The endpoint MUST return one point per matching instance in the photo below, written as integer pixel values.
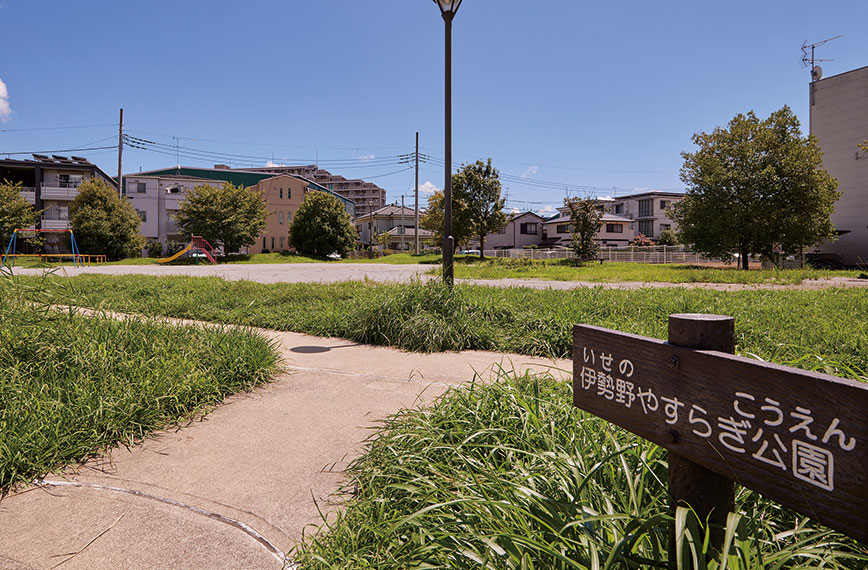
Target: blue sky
(564, 96)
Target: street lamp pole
(448, 9)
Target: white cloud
(515, 211)
(272, 164)
(547, 210)
(5, 109)
(428, 188)
(530, 171)
(367, 157)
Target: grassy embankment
(560, 270)
(72, 386)
(825, 330)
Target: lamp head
(448, 6)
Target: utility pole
(403, 226)
(121, 154)
(416, 220)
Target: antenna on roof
(811, 61)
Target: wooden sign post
(798, 437)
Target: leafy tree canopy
(322, 226)
(232, 216)
(753, 185)
(477, 208)
(15, 212)
(585, 220)
(104, 223)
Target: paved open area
(387, 273)
(238, 488)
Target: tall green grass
(818, 330)
(71, 386)
(566, 270)
(510, 475)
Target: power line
(58, 128)
(59, 150)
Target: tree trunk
(482, 247)
(745, 263)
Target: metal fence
(634, 254)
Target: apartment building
(646, 209)
(839, 120)
(397, 221)
(367, 196)
(157, 195)
(50, 183)
(283, 194)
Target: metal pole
(416, 216)
(121, 155)
(448, 240)
(403, 223)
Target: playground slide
(177, 255)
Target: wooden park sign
(798, 437)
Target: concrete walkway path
(238, 488)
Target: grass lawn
(73, 386)
(557, 270)
(511, 475)
(820, 330)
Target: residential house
(367, 196)
(399, 222)
(523, 229)
(839, 120)
(647, 209)
(50, 183)
(157, 195)
(615, 230)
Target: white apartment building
(523, 229)
(646, 209)
(615, 230)
(839, 120)
(399, 222)
(50, 183)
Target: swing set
(78, 259)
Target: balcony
(54, 224)
(59, 190)
(29, 194)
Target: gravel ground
(386, 273)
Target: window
(281, 217)
(665, 227)
(562, 229)
(281, 193)
(529, 229)
(646, 228)
(141, 187)
(619, 208)
(288, 217)
(664, 204)
(143, 215)
(263, 243)
(615, 228)
(645, 208)
(502, 230)
(272, 243)
(281, 242)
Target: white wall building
(839, 120)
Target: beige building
(399, 222)
(283, 195)
(615, 230)
(839, 120)
(366, 196)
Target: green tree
(478, 186)
(585, 220)
(433, 220)
(477, 208)
(667, 237)
(322, 226)
(754, 185)
(104, 223)
(231, 216)
(15, 212)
